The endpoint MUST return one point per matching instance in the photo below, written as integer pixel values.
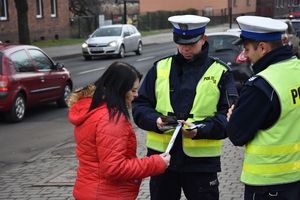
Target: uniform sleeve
(215, 127)
(257, 108)
(112, 147)
(143, 110)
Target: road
(46, 126)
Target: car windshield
(221, 43)
(108, 31)
(296, 25)
(295, 9)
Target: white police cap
(188, 29)
(260, 28)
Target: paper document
(171, 143)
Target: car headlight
(84, 45)
(112, 44)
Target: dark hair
(274, 44)
(112, 86)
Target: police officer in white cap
(198, 89)
(266, 118)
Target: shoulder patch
(216, 59)
(252, 78)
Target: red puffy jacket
(108, 166)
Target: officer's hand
(229, 112)
(190, 131)
(160, 123)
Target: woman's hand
(166, 157)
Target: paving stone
(52, 174)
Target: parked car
(28, 77)
(113, 40)
(294, 12)
(221, 45)
(290, 37)
(296, 25)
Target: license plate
(96, 49)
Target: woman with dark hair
(105, 140)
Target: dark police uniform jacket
(184, 77)
(257, 96)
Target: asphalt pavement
(51, 174)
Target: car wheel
(63, 100)
(122, 52)
(87, 57)
(139, 49)
(17, 112)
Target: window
(39, 8)
(21, 62)
(235, 3)
(53, 8)
(42, 61)
(3, 10)
(208, 11)
(248, 2)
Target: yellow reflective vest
(204, 105)
(273, 156)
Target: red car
(29, 77)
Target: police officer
(188, 86)
(266, 118)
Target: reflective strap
(205, 148)
(206, 143)
(158, 141)
(271, 168)
(273, 150)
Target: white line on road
(92, 70)
(143, 59)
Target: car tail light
(3, 84)
(241, 58)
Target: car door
(127, 39)
(135, 37)
(26, 77)
(54, 80)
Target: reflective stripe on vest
(273, 156)
(204, 105)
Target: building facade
(275, 8)
(47, 19)
(207, 8)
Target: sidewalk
(68, 51)
(51, 174)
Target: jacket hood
(78, 113)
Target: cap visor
(179, 40)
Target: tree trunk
(23, 30)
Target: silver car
(113, 40)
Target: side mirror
(59, 66)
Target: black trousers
(289, 191)
(196, 186)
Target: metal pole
(125, 12)
(230, 13)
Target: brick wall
(9, 28)
(217, 5)
(46, 27)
